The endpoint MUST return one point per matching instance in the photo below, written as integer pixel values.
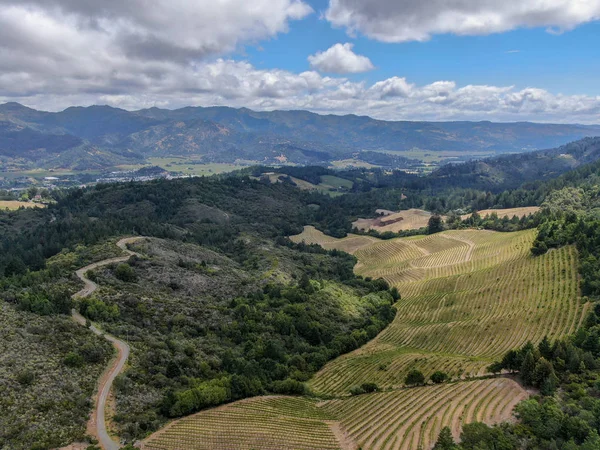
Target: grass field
(404, 419)
(184, 165)
(13, 204)
(467, 298)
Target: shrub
(125, 272)
(414, 377)
(439, 377)
(73, 360)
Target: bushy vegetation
(206, 329)
(49, 368)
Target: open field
(405, 419)
(411, 219)
(329, 184)
(428, 156)
(186, 166)
(13, 204)
(467, 298)
(510, 212)
(349, 244)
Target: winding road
(98, 419)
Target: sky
(512, 60)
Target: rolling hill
(221, 134)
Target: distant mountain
(509, 171)
(222, 134)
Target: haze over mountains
(101, 136)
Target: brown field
(510, 212)
(13, 204)
(349, 244)
(411, 219)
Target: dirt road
(98, 420)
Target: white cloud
(340, 59)
(409, 20)
(58, 53)
(239, 84)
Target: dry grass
(349, 244)
(510, 212)
(411, 219)
(13, 205)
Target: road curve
(122, 348)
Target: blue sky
(568, 62)
(535, 60)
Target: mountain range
(102, 136)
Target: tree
(414, 377)
(528, 369)
(445, 440)
(435, 224)
(439, 377)
(124, 272)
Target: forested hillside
(226, 135)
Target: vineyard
(261, 422)
(467, 297)
(349, 244)
(404, 419)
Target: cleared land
(402, 419)
(13, 204)
(467, 297)
(329, 184)
(411, 219)
(510, 212)
(349, 244)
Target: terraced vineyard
(409, 419)
(401, 419)
(410, 219)
(467, 297)
(349, 244)
(510, 212)
(275, 423)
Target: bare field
(510, 212)
(411, 219)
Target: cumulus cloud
(240, 84)
(409, 20)
(340, 59)
(59, 53)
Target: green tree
(445, 440)
(439, 377)
(414, 377)
(528, 369)
(435, 224)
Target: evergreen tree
(528, 369)
(445, 440)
